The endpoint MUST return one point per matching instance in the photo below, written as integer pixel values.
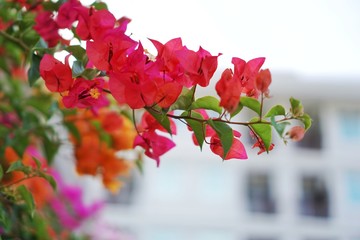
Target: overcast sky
(320, 38)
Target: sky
(311, 38)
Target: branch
(15, 40)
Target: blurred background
(302, 191)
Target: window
(349, 124)
(314, 197)
(259, 193)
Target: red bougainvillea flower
(263, 81)
(154, 144)
(199, 67)
(229, 90)
(242, 80)
(166, 59)
(57, 76)
(48, 29)
(111, 46)
(296, 133)
(129, 85)
(237, 149)
(246, 72)
(86, 93)
(68, 13)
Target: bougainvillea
(109, 94)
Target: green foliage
(251, 103)
(207, 102)
(161, 116)
(225, 133)
(196, 125)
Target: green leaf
(34, 72)
(18, 166)
(263, 131)
(307, 121)
(184, 100)
(279, 127)
(225, 133)
(275, 111)
(99, 5)
(297, 108)
(1, 172)
(73, 130)
(28, 198)
(197, 126)
(161, 117)
(77, 68)
(237, 110)
(48, 178)
(37, 162)
(90, 73)
(207, 102)
(139, 162)
(78, 52)
(50, 147)
(251, 103)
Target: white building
(303, 191)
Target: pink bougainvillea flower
(109, 49)
(47, 28)
(246, 72)
(57, 76)
(167, 93)
(129, 84)
(237, 149)
(69, 207)
(86, 93)
(68, 13)
(166, 59)
(154, 144)
(263, 81)
(296, 133)
(199, 67)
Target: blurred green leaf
(73, 130)
(28, 198)
(34, 72)
(276, 111)
(1, 172)
(307, 121)
(77, 51)
(197, 126)
(90, 73)
(251, 103)
(18, 166)
(225, 133)
(207, 102)
(99, 5)
(237, 110)
(279, 127)
(77, 69)
(48, 178)
(296, 107)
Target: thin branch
(15, 40)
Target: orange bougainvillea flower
(97, 157)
